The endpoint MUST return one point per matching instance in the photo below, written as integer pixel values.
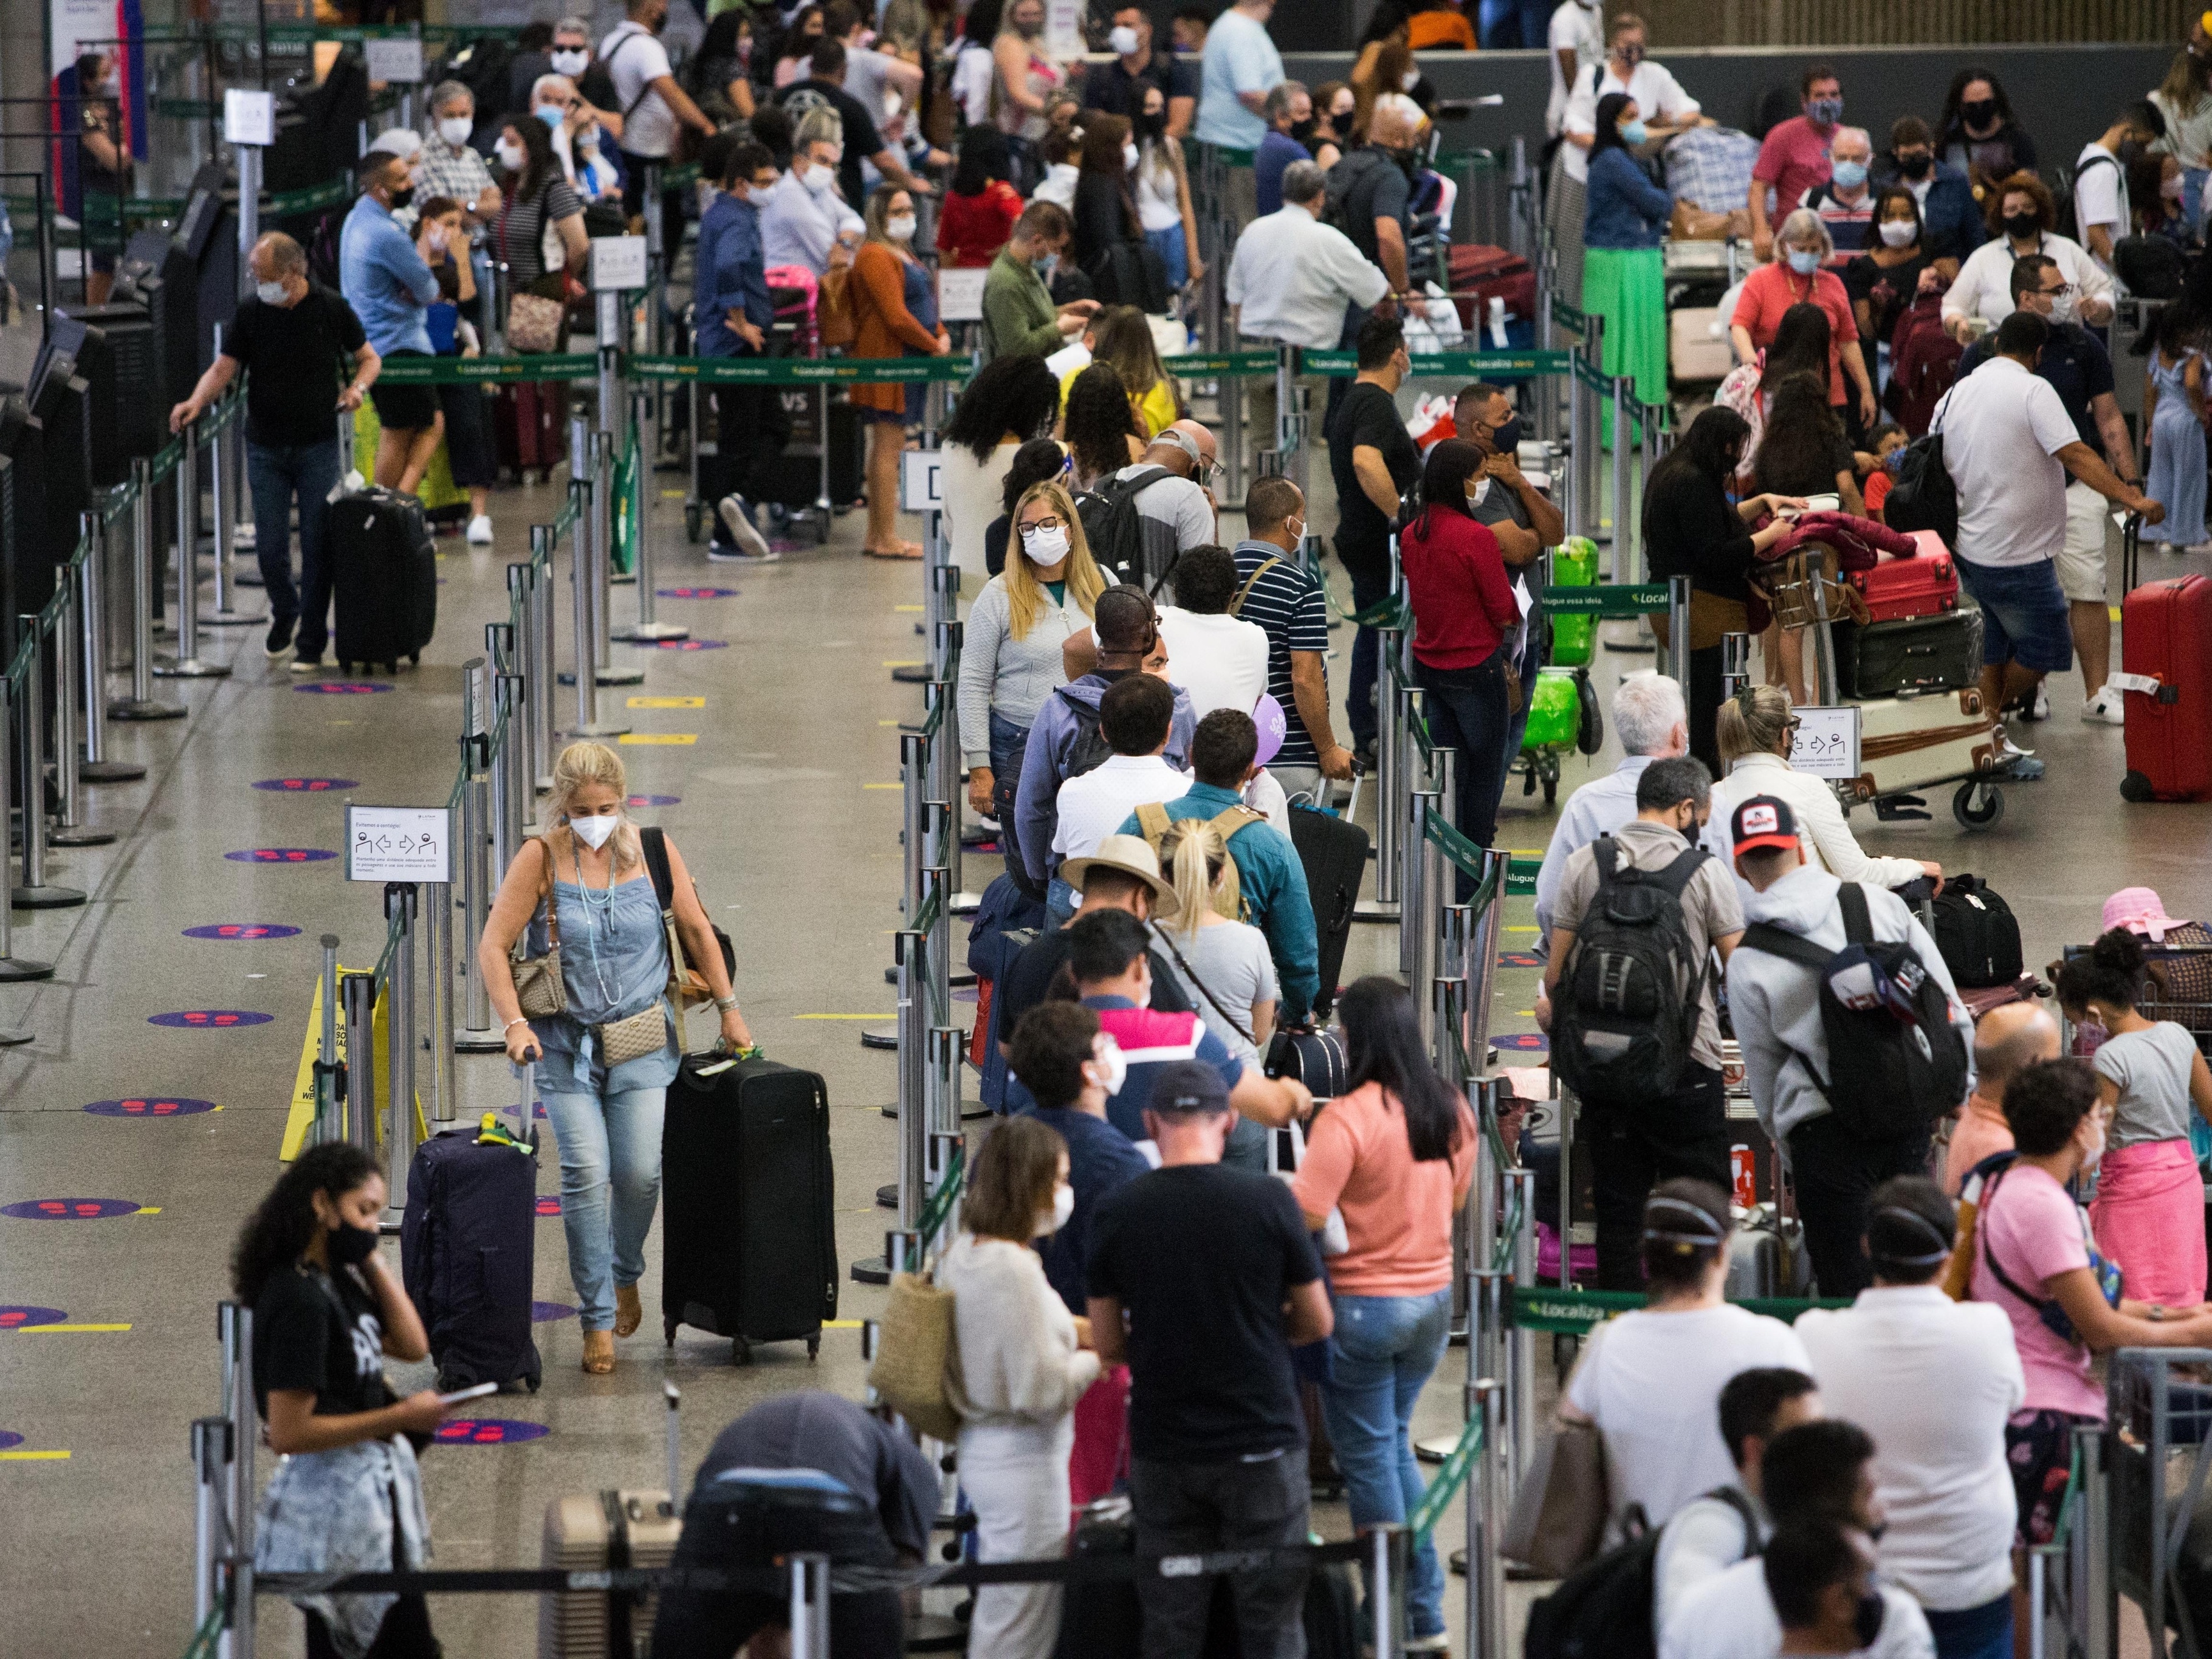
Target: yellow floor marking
(148, 1209)
(840, 1324)
(844, 1016)
(2115, 610)
(22, 1329)
(1528, 851)
(903, 664)
(664, 738)
(672, 495)
(907, 607)
(1524, 1013)
(668, 703)
(883, 785)
(1512, 929)
(32, 1456)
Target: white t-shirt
(1941, 1473)
(1092, 807)
(1576, 27)
(2000, 432)
(1983, 288)
(1657, 94)
(1221, 660)
(1707, 1536)
(1651, 1382)
(1731, 1616)
(635, 59)
(2100, 193)
(1159, 198)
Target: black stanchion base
(79, 837)
(14, 1037)
(872, 1270)
(881, 1036)
(918, 675)
(930, 1632)
(19, 970)
(483, 1045)
(888, 1196)
(44, 898)
(189, 668)
(109, 771)
(971, 1110)
(132, 709)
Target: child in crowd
(2173, 411)
(2149, 1211)
(1886, 440)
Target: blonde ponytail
(1751, 722)
(1195, 855)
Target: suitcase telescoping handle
(2130, 551)
(674, 1396)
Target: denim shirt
(1625, 210)
(732, 277)
(614, 963)
(385, 280)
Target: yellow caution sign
(301, 1123)
(660, 738)
(668, 703)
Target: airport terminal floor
(781, 789)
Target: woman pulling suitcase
(589, 999)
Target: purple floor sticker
(487, 1432)
(1526, 1043)
(209, 1019)
(343, 688)
(1518, 959)
(684, 645)
(15, 1318)
(150, 1106)
(281, 855)
(653, 800)
(241, 930)
(10, 1437)
(544, 1313)
(549, 1205)
(306, 786)
(696, 592)
(71, 1209)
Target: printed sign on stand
(398, 843)
(960, 295)
(399, 60)
(921, 481)
(1827, 744)
(249, 118)
(617, 263)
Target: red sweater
(1464, 603)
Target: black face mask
(1507, 439)
(1866, 1621)
(401, 197)
(1981, 112)
(1914, 165)
(2021, 226)
(1151, 126)
(1341, 124)
(351, 1246)
(1304, 131)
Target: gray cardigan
(1002, 674)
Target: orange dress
(883, 326)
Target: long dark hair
(278, 1232)
(1953, 122)
(1881, 201)
(1100, 422)
(1796, 452)
(983, 157)
(1014, 393)
(1444, 481)
(1382, 1045)
(538, 160)
(1038, 461)
(1801, 344)
(1609, 124)
(1713, 448)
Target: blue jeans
(1982, 1632)
(1466, 710)
(1059, 902)
(2023, 615)
(1173, 253)
(1009, 743)
(276, 473)
(1382, 1354)
(610, 1142)
(1517, 727)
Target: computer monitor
(157, 273)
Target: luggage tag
(724, 1058)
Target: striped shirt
(1290, 607)
(518, 234)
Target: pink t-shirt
(2035, 1231)
(1397, 1213)
(1981, 1130)
(1793, 158)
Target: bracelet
(728, 1004)
(519, 1019)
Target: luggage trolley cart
(2158, 1452)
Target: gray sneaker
(736, 519)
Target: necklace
(603, 903)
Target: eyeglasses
(1050, 522)
(2059, 293)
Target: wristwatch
(2157, 1313)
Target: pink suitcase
(1897, 590)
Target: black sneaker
(280, 638)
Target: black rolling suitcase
(384, 576)
(748, 1244)
(1333, 851)
(465, 1248)
(1942, 653)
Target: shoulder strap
(1737, 1500)
(546, 900)
(642, 91)
(1237, 605)
(1791, 947)
(1144, 479)
(1152, 822)
(653, 843)
(1204, 989)
(1606, 854)
(1858, 923)
(1235, 818)
(1678, 875)
(1982, 1239)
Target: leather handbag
(539, 990)
(1560, 1512)
(645, 1032)
(915, 1351)
(1803, 589)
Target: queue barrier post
(1624, 447)
(327, 1070)
(13, 970)
(808, 1613)
(1547, 261)
(603, 514)
(235, 1327)
(211, 1444)
(445, 1102)
(186, 664)
(359, 1083)
(1575, 504)
(399, 901)
(500, 720)
(1486, 1610)
(647, 631)
(1388, 1546)
(475, 1036)
(1488, 933)
(587, 576)
(1391, 742)
(1589, 460)
(511, 693)
(92, 616)
(522, 605)
(1413, 798)
(140, 704)
(1520, 1351)
(541, 589)
(68, 829)
(224, 492)
(35, 892)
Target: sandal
(598, 1353)
(629, 1314)
(906, 551)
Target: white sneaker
(480, 531)
(2108, 707)
(739, 523)
(2041, 711)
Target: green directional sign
(1614, 602)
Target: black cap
(1188, 1085)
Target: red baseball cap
(1763, 821)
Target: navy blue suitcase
(465, 1249)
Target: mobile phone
(475, 1392)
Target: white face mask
(436, 238)
(1045, 547)
(1107, 1056)
(455, 130)
(2062, 308)
(511, 154)
(821, 179)
(1897, 232)
(900, 229)
(1123, 40)
(570, 60)
(594, 832)
(271, 294)
(1130, 158)
(1063, 1205)
(2094, 1153)
(1477, 495)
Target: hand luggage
(1697, 344)
(1331, 1613)
(465, 1248)
(1976, 931)
(1333, 851)
(748, 1243)
(384, 577)
(1942, 653)
(530, 428)
(1766, 1256)
(2166, 659)
(609, 1530)
(1574, 564)
(1479, 272)
(1313, 1058)
(1102, 1617)
(1896, 589)
(1911, 742)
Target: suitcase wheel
(2136, 787)
(693, 517)
(814, 1347)
(1977, 804)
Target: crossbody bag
(539, 990)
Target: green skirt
(1628, 286)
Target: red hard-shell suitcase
(1480, 272)
(1898, 590)
(529, 426)
(2166, 662)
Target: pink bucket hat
(2140, 910)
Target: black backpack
(1602, 1610)
(1351, 183)
(1135, 549)
(1622, 1023)
(1976, 931)
(1090, 750)
(1887, 1075)
(2149, 267)
(1924, 497)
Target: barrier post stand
(1415, 771)
(1675, 659)
(1589, 460)
(360, 1081)
(140, 704)
(475, 1036)
(400, 899)
(1486, 1610)
(245, 1436)
(508, 698)
(210, 1519)
(809, 1613)
(548, 679)
(498, 798)
(186, 664)
(522, 604)
(1548, 394)
(646, 630)
(223, 492)
(326, 1049)
(1489, 933)
(1386, 1589)
(1736, 664)
(1417, 908)
(1390, 742)
(588, 578)
(35, 892)
(13, 970)
(603, 538)
(1624, 447)
(1520, 1351)
(92, 618)
(1576, 506)
(1439, 878)
(68, 829)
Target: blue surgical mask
(1047, 265)
(1849, 174)
(1804, 261)
(1824, 111)
(553, 115)
(1633, 133)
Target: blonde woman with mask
(1755, 730)
(585, 889)
(1009, 661)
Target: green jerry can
(1555, 712)
(1574, 564)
